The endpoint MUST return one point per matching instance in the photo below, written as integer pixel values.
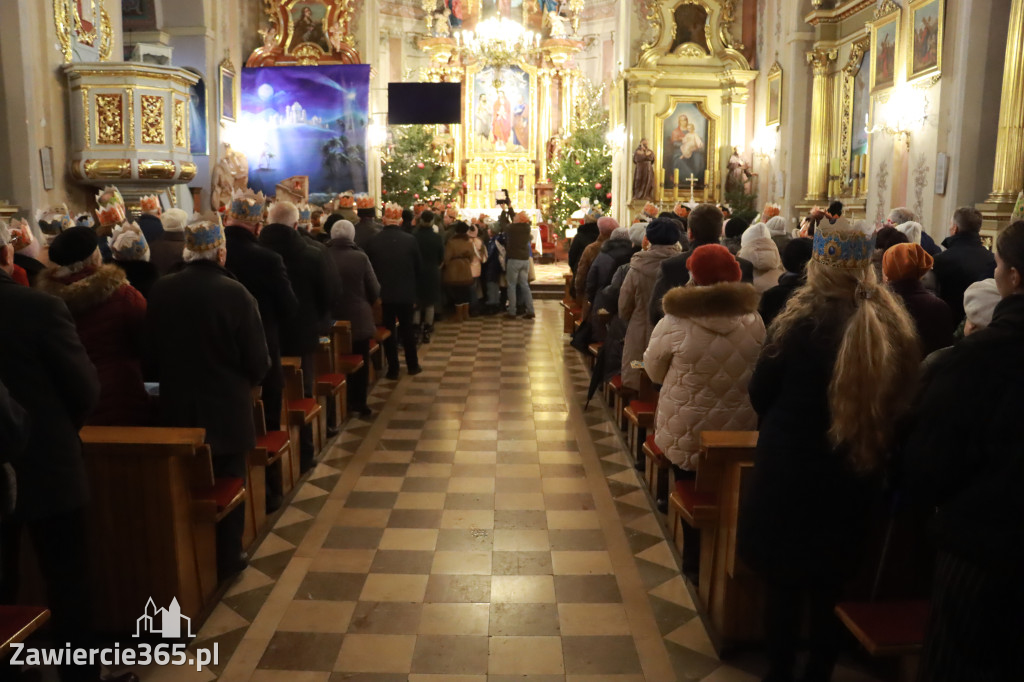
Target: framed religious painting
(499, 110)
(924, 58)
(885, 39)
(228, 99)
(773, 110)
(687, 145)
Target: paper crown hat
(365, 201)
(203, 236)
(150, 204)
(21, 234)
(650, 210)
(110, 207)
(681, 210)
(521, 217)
(246, 206)
(346, 200)
(392, 214)
(842, 245)
(84, 220)
(306, 213)
(128, 243)
(55, 220)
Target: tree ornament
(597, 185)
(419, 165)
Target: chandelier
(499, 42)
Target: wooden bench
(889, 630)
(657, 472)
(639, 418)
(299, 410)
(155, 506)
(17, 623)
(274, 448)
(330, 386)
(593, 350)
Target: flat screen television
(420, 103)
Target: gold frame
(932, 71)
(701, 102)
(470, 85)
(70, 30)
(225, 69)
(880, 22)
(858, 49)
(774, 74)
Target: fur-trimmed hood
(714, 305)
(86, 292)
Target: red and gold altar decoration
(306, 33)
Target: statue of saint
(643, 172)
(739, 173)
(554, 147)
(230, 173)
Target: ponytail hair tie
(863, 292)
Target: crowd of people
(875, 364)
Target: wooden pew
(889, 630)
(330, 387)
(300, 411)
(274, 448)
(657, 473)
(729, 591)
(152, 520)
(17, 623)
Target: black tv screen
(419, 103)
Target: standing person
(965, 260)
(205, 343)
(110, 316)
(428, 283)
(758, 247)
(165, 254)
(661, 241)
(493, 271)
(615, 252)
(794, 258)
(149, 219)
(903, 267)
(586, 235)
(458, 265)
(367, 228)
(605, 226)
(517, 265)
(969, 470)
(360, 290)
(477, 266)
(48, 373)
(262, 272)
(396, 261)
(131, 253)
(829, 387)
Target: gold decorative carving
(332, 44)
(188, 171)
(102, 169)
(156, 169)
(850, 72)
(886, 8)
(725, 22)
(653, 19)
(821, 112)
(109, 119)
(71, 29)
(113, 73)
(691, 50)
(85, 117)
(152, 120)
(131, 116)
(180, 123)
(1008, 173)
(820, 60)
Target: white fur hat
(174, 220)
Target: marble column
(821, 114)
(1008, 177)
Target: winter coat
(520, 237)
(205, 343)
(48, 372)
(764, 256)
(583, 267)
(586, 235)
(967, 463)
(458, 261)
(360, 288)
(634, 298)
(431, 252)
(805, 514)
(366, 229)
(165, 253)
(479, 257)
(703, 352)
(674, 274)
(264, 275)
(775, 299)
(964, 262)
(14, 427)
(398, 263)
(931, 315)
(314, 280)
(494, 266)
(110, 317)
(614, 253)
(141, 274)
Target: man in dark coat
(969, 469)
(431, 247)
(616, 251)
(165, 252)
(206, 345)
(396, 261)
(794, 258)
(704, 226)
(586, 235)
(367, 228)
(964, 262)
(47, 371)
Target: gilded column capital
(819, 59)
(1008, 174)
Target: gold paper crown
(392, 214)
(651, 210)
(680, 208)
(150, 203)
(346, 200)
(110, 205)
(521, 217)
(246, 206)
(365, 202)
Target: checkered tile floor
(482, 527)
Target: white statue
(230, 173)
(557, 22)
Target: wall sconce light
(616, 137)
(764, 143)
(904, 112)
(376, 135)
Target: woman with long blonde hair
(836, 372)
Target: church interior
(512, 504)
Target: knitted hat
(980, 302)
(607, 225)
(203, 236)
(343, 229)
(711, 264)
(174, 220)
(637, 232)
(906, 262)
(755, 231)
(796, 254)
(735, 227)
(842, 245)
(128, 243)
(912, 230)
(620, 233)
(776, 225)
(73, 246)
(662, 231)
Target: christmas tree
(583, 168)
(417, 165)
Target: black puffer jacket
(614, 253)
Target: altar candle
(676, 175)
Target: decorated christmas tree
(583, 168)
(417, 165)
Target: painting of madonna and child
(501, 110)
(685, 146)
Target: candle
(676, 177)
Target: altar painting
(686, 144)
(501, 110)
(307, 20)
(861, 108)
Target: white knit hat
(174, 220)
(776, 225)
(343, 228)
(980, 302)
(755, 231)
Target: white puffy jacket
(703, 353)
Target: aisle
(481, 527)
